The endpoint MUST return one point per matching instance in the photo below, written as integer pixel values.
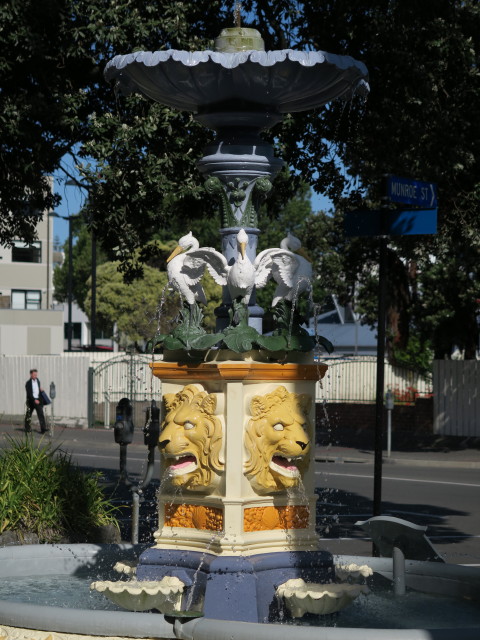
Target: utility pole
(93, 307)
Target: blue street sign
(413, 223)
(406, 191)
(383, 222)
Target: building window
(103, 330)
(26, 299)
(76, 330)
(22, 252)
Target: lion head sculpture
(277, 440)
(191, 438)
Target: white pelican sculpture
(242, 275)
(291, 271)
(186, 266)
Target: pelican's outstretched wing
(207, 257)
(284, 267)
(186, 279)
(193, 267)
(292, 273)
(263, 267)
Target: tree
(54, 101)
(421, 121)
(138, 310)
(137, 158)
(144, 307)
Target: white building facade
(29, 325)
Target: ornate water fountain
(236, 539)
(237, 509)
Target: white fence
(69, 372)
(354, 380)
(456, 383)
(456, 405)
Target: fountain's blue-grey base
(455, 614)
(236, 587)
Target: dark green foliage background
(137, 159)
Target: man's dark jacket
(29, 390)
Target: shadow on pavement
(337, 512)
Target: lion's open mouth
(285, 466)
(182, 464)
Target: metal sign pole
(385, 222)
(382, 295)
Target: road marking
(452, 536)
(94, 455)
(370, 477)
(366, 538)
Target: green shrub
(43, 492)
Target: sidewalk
(349, 445)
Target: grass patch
(43, 492)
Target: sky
(72, 199)
(321, 203)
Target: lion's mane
(261, 448)
(194, 404)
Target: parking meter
(123, 427)
(151, 430)
(53, 391)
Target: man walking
(34, 401)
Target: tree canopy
(137, 158)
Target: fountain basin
(283, 81)
(96, 560)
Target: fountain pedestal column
(239, 167)
(237, 511)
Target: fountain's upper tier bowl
(204, 81)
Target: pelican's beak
(178, 249)
(304, 254)
(243, 249)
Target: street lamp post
(93, 308)
(70, 284)
(72, 182)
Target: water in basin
(379, 609)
